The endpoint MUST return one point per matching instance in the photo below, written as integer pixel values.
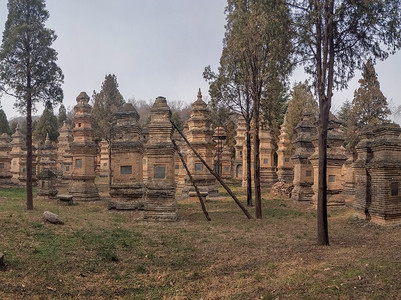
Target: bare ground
(101, 254)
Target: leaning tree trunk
(256, 162)
(29, 193)
(248, 164)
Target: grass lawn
(101, 254)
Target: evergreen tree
(369, 106)
(28, 69)
(62, 116)
(343, 114)
(257, 47)
(105, 104)
(334, 37)
(4, 126)
(46, 125)
(301, 99)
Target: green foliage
(46, 125)
(369, 106)
(4, 126)
(28, 68)
(343, 114)
(333, 39)
(175, 117)
(62, 116)
(301, 100)
(105, 104)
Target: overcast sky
(154, 47)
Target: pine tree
(28, 69)
(343, 114)
(105, 104)
(334, 37)
(62, 116)
(46, 125)
(4, 126)
(301, 98)
(369, 106)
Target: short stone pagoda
(5, 160)
(46, 189)
(104, 159)
(222, 155)
(127, 188)
(160, 202)
(349, 179)
(83, 150)
(336, 158)
(378, 175)
(285, 170)
(268, 174)
(305, 131)
(47, 156)
(18, 158)
(200, 136)
(64, 156)
(240, 140)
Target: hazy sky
(154, 47)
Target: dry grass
(103, 254)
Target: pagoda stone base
(302, 193)
(286, 174)
(204, 186)
(268, 178)
(349, 192)
(126, 197)
(6, 182)
(160, 203)
(46, 194)
(334, 198)
(84, 190)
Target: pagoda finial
(199, 94)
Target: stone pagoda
(240, 145)
(47, 156)
(160, 202)
(18, 158)
(46, 189)
(64, 156)
(5, 160)
(179, 170)
(127, 189)
(285, 169)
(378, 175)
(104, 159)
(83, 150)
(268, 174)
(303, 149)
(349, 179)
(336, 158)
(200, 136)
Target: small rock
(52, 218)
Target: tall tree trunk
(248, 164)
(256, 160)
(322, 223)
(29, 193)
(325, 73)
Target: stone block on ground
(52, 218)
